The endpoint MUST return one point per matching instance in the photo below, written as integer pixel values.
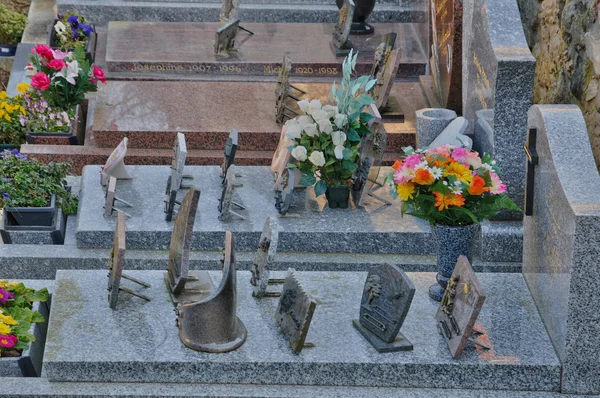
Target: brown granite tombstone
(460, 307)
(295, 311)
(211, 324)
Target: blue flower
(87, 29)
(15, 152)
(73, 20)
(6, 196)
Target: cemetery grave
(228, 277)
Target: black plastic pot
(90, 45)
(338, 197)
(7, 51)
(362, 10)
(31, 216)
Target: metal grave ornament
(229, 11)
(460, 307)
(116, 263)
(294, 312)
(341, 34)
(110, 198)
(263, 258)
(226, 201)
(386, 299)
(283, 91)
(115, 165)
(372, 149)
(229, 155)
(211, 324)
(284, 191)
(176, 178)
(385, 71)
(183, 284)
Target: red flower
(56, 64)
(8, 341)
(44, 51)
(99, 74)
(40, 81)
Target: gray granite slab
(17, 74)
(561, 243)
(139, 343)
(498, 71)
(53, 235)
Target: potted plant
(59, 83)
(30, 191)
(326, 139)
(12, 26)
(23, 315)
(12, 111)
(69, 29)
(454, 189)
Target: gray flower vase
(451, 241)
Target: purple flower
(5, 296)
(6, 196)
(87, 29)
(15, 152)
(73, 20)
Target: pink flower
(40, 81)
(459, 154)
(443, 150)
(411, 161)
(5, 296)
(44, 51)
(59, 54)
(56, 64)
(403, 175)
(473, 160)
(8, 341)
(497, 186)
(98, 74)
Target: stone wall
(564, 37)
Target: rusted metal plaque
(264, 257)
(341, 33)
(295, 311)
(460, 307)
(211, 324)
(116, 262)
(225, 36)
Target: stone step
(139, 341)
(101, 12)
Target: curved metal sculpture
(211, 325)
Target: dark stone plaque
(341, 34)
(174, 182)
(460, 307)
(284, 191)
(386, 299)
(229, 155)
(225, 36)
(226, 201)
(264, 258)
(211, 324)
(295, 311)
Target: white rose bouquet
(326, 138)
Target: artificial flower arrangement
(12, 113)
(16, 316)
(326, 138)
(449, 185)
(71, 28)
(30, 183)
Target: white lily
(70, 72)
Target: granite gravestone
(498, 71)
(110, 198)
(225, 36)
(341, 34)
(115, 165)
(283, 91)
(460, 307)
(263, 259)
(229, 155)
(211, 324)
(175, 179)
(386, 299)
(284, 191)
(183, 284)
(116, 263)
(226, 201)
(294, 312)
(561, 241)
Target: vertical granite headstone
(115, 165)
(561, 242)
(174, 181)
(295, 311)
(460, 307)
(498, 72)
(341, 33)
(211, 324)
(385, 302)
(264, 258)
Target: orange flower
(443, 201)
(423, 177)
(438, 160)
(477, 186)
(397, 164)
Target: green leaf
(40, 295)
(370, 84)
(292, 165)
(366, 117)
(408, 150)
(320, 187)
(307, 180)
(347, 153)
(350, 166)
(365, 99)
(352, 135)
(37, 317)
(332, 92)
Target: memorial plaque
(283, 91)
(211, 324)
(295, 311)
(264, 258)
(229, 11)
(116, 263)
(284, 191)
(226, 201)
(174, 181)
(110, 199)
(341, 33)
(386, 299)
(225, 36)
(389, 107)
(115, 165)
(229, 155)
(460, 307)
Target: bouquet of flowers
(71, 28)
(63, 78)
(41, 117)
(326, 138)
(449, 186)
(12, 109)
(16, 316)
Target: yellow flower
(7, 319)
(8, 118)
(2, 95)
(4, 328)
(22, 87)
(463, 173)
(405, 191)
